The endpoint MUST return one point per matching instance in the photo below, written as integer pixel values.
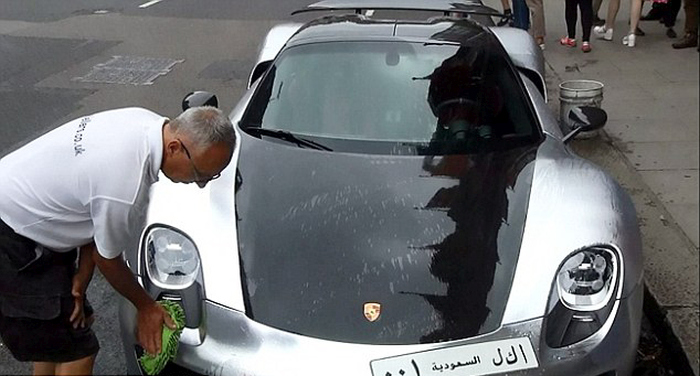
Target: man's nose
(201, 184)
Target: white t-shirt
(88, 178)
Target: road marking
(148, 4)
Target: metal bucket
(575, 93)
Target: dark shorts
(35, 340)
(36, 304)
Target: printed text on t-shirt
(78, 138)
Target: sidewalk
(650, 144)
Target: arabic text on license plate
(475, 359)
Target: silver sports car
(401, 202)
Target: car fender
(525, 53)
(573, 205)
(547, 119)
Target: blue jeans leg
(521, 15)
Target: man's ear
(172, 147)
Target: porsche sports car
(401, 201)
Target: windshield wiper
(287, 136)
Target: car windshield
(396, 97)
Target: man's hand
(150, 327)
(81, 280)
(77, 318)
(151, 315)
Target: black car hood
(432, 240)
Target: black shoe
(651, 16)
(689, 40)
(598, 21)
(671, 33)
(509, 16)
(639, 32)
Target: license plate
(485, 358)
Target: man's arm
(81, 280)
(151, 315)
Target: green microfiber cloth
(153, 364)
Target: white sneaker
(601, 32)
(629, 40)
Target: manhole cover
(129, 70)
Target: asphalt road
(49, 47)
(46, 44)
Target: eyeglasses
(197, 175)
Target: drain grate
(129, 70)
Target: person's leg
(671, 13)
(658, 10)
(691, 25)
(39, 329)
(538, 24)
(586, 19)
(597, 21)
(606, 31)
(635, 14)
(613, 8)
(691, 16)
(77, 367)
(505, 4)
(521, 15)
(527, 23)
(586, 24)
(570, 15)
(44, 368)
(596, 6)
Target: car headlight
(582, 297)
(171, 258)
(586, 280)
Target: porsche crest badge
(372, 311)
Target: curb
(663, 329)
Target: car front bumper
(232, 344)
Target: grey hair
(204, 126)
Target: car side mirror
(199, 98)
(585, 119)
